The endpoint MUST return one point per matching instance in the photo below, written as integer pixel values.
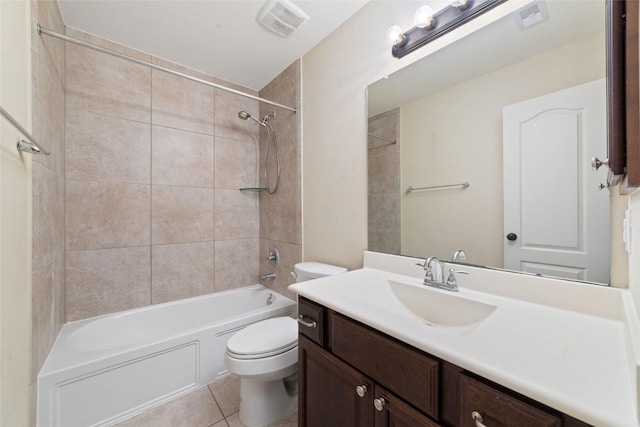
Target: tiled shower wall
(281, 213)
(384, 182)
(48, 255)
(154, 163)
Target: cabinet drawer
(311, 320)
(401, 369)
(499, 409)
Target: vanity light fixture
(460, 4)
(429, 26)
(395, 36)
(423, 18)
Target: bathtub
(105, 369)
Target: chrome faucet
(434, 277)
(459, 256)
(431, 275)
(268, 276)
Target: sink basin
(433, 307)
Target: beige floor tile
(290, 421)
(221, 423)
(196, 409)
(226, 391)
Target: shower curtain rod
(42, 30)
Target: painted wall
(445, 141)
(335, 75)
(15, 216)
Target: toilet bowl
(265, 357)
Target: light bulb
(460, 4)
(395, 35)
(423, 18)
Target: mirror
(464, 115)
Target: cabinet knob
(361, 390)
(379, 403)
(475, 415)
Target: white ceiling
(218, 37)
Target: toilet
(265, 357)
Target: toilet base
(263, 402)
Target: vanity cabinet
(332, 393)
(352, 375)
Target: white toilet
(265, 356)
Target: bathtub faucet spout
(268, 276)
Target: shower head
(244, 116)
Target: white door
(556, 219)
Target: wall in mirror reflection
(452, 136)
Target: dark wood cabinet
(332, 393)
(328, 390)
(487, 405)
(391, 411)
(354, 376)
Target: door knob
(596, 163)
(512, 237)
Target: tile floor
(216, 405)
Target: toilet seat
(263, 339)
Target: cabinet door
(328, 393)
(391, 411)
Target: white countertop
(568, 345)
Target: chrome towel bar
(463, 185)
(29, 145)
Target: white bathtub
(107, 368)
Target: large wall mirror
(515, 110)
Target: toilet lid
(265, 338)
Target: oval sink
(440, 308)
(434, 307)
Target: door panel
(551, 197)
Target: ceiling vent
(282, 17)
(530, 15)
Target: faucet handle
(451, 280)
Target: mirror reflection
(516, 110)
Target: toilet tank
(314, 270)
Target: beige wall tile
(181, 271)
(290, 254)
(107, 280)
(46, 322)
(281, 214)
(182, 158)
(236, 263)
(236, 164)
(181, 214)
(49, 106)
(107, 85)
(227, 123)
(106, 215)
(195, 409)
(103, 148)
(236, 215)
(48, 215)
(180, 103)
